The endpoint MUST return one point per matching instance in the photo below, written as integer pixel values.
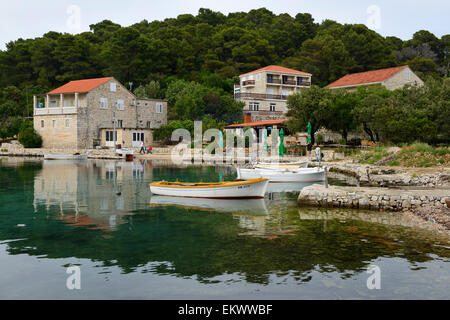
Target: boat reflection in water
(289, 186)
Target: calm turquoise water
(100, 216)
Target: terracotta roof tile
(277, 69)
(85, 85)
(365, 77)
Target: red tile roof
(257, 123)
(278, 69)
(80, 85)
(365, 77)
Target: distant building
(391, 78)
(265, 91)
(79, 115)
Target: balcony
(260, 96)
(55, 110)
(289, 82)
(273, 81)
(248, 83)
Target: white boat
(247, 206)
(64, 156)
(283, 175)
(252, 188)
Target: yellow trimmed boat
(250, 189)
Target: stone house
(264, 91)
(391, 78)
(84, 114)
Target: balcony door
(137, 138)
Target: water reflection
(103, 211)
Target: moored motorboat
(252, 188)
(64, 156)
(283, 175)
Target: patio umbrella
(265, 140)
(309, 133)
(221, 140)
(281, 148)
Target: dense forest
(204, 54)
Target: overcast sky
(401, 18)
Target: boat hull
(234, 190)
(299, 175)
(61, 156)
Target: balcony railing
(275, 81)
(65, 110)
(248, 83)
(288, 82)
(249, 95)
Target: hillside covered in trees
(205, 52)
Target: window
(120, 123)
(53, 104)
(112, 87)
(138, 136)
(67, 123)
(159, 107)
(258, 76)
(42, 123)
(120, 104)
(272, 106)
(158, 124)
(149, 124)
(269, 78)
(407, 75)
(299, 81)
(103, 103)
(54, 123)
(111, 136)
(254, 106)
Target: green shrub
(29, 138)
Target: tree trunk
(344, 135)
(368, 131)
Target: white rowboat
(283, 175)
(252, 188)
(64, 156)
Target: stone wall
(398, 80)
(372, 198)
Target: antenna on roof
(131, 85)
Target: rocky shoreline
(429, 204)
(380, 176)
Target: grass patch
(374, 155)
(423, 155)
(348, 151)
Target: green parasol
(281, 148)
(309, 133)
(265, 140)
(221, 140)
